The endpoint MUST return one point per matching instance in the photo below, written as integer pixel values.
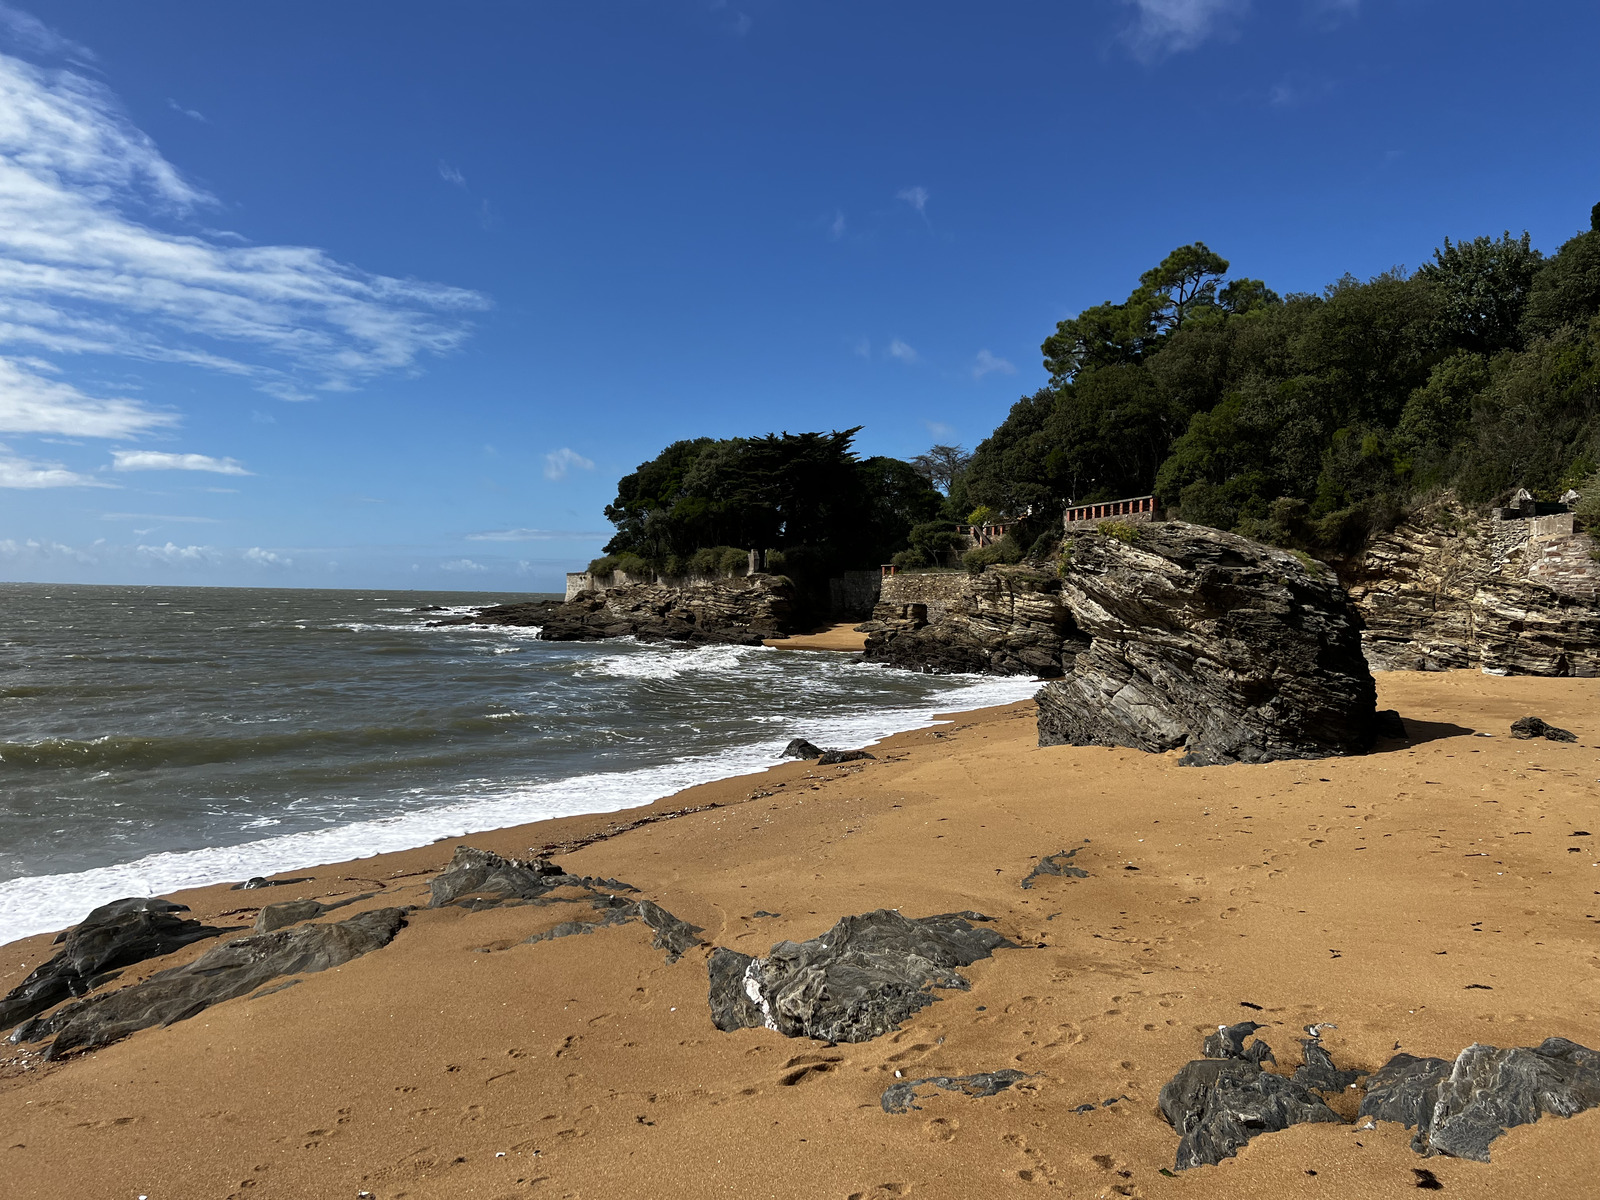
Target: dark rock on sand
(1204, 641)
(1533, 727)
(474, 872)
(1460, 1108)
(257, 881)
(1229, 1042)
(672, 934)
(741, 611)
(800, 748)
(860, 979)
(1220, 1102)
(834, 757)
(221, 973)
(902, 1097)
(292, 912)
(1318, 1070)
(113, 936)
(1055, 864)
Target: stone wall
(933, 590)
(853, 594)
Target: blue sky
(389, 294)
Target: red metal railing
(1111, 509)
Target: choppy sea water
(160, 738)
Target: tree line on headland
(1305, 420)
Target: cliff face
(1006, 621)
(739, 611)
(1451, 589)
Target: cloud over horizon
(558, 462)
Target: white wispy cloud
(30, 33)
(266, 558)
(31, 402)
(990, 364)
(1162, 27)
(159, 460)
(917, 197)
(19, 472)
(558, 462)
(463, 566)
(836, 227)
(127, 516)
(903, 352)
(451, 174)
(534, 535)
(83, 271)
(176, 555)
(192, 114)
(862, 347)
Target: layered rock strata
(740, 611)
(1207, 642)
(1006, 621)
(1451, 588)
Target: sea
(156, 738)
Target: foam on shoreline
(38, 904)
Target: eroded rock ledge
(738, 611)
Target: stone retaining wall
(935, 590)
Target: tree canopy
(1311, 417)
(806, 494)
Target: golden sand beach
(1431, 894)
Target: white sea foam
(44, 902)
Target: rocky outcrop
(1205, 641)
(859, 980)
(740, 611)
(113, 936)
(1006, 621)
(1453, 588)
(1528, 728)
(1460, 1108)
(221, 973)
(1218, 1103)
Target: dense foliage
(806, 495)
(1308, 419)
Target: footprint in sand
(941, 1129)
(808, 1066)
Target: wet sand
(1425, 896)
(832, 637)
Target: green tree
(1482, 289)
(1184, 284)
(1567, 291)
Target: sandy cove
(1424, 897)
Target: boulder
(859, 980)
(800, 748)
(1460, 1108)
(1204, 641)
(740, 611)
(113, 936)
(221, 973)
(1218, 1103)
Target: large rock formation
(740, 611)
(1205, 641)
(1453, 588)
(1006, 621)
